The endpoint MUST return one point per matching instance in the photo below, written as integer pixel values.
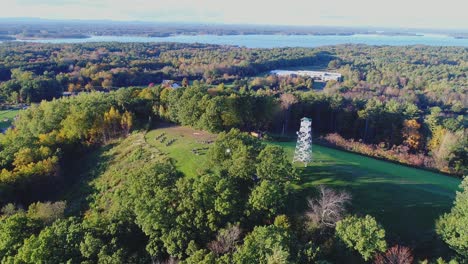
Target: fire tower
(303, 151)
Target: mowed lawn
(406, 201)
(6, 118)
(188, 149)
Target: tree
(153, 194)
(47, 212)
(211, 119)
(185, 82)
(448, 143)
(190, 110)
(176, 212)
(72, 88)
(201, 256)
(226, 240)
(395, 255)
(261, 244)
(268, 199)
(112, 123)
(411, 134)
(14, 230)
(235, 153)
(287, 100)
(126, 122)
(453, 226)
(362, 234)
(107, 84)
(434, 118)
(371, 113)
(279, 256)
(273, 165)
(329, 208)
(458, 157)
(58, 243)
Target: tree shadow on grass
(407, 210)
(81, 172)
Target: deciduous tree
(453, 226)
(328, 208)
(395, 255)
(364, 235)
(411, 134)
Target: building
(171, 84)
(316, 75)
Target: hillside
(407, 201)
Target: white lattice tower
(303, 151)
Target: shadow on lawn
(407, 210)
(82, 171)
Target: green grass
(186, 139)
(406, 201)
(97, 178)
(6, 118)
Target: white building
(316, 75)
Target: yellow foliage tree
(437, 136)
(126, 122)
(111, 123)
(411, 134)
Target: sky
(377, 13)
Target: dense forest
(403, 104)
(406, 104)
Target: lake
(273, 41)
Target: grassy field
(6, 118)
(186, 140)
(406, 201)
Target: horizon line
(187, 23)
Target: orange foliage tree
(411, 134)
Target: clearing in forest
(406, 201)
(185, 145)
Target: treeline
(436, 139)
(63, 29)
(216, 110)
(34, 153)
(400, 131)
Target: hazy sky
(393, 13)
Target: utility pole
(303, 151)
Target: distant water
(273, 41)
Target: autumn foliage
(395, 255)
(400, 154)
(411, 134)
